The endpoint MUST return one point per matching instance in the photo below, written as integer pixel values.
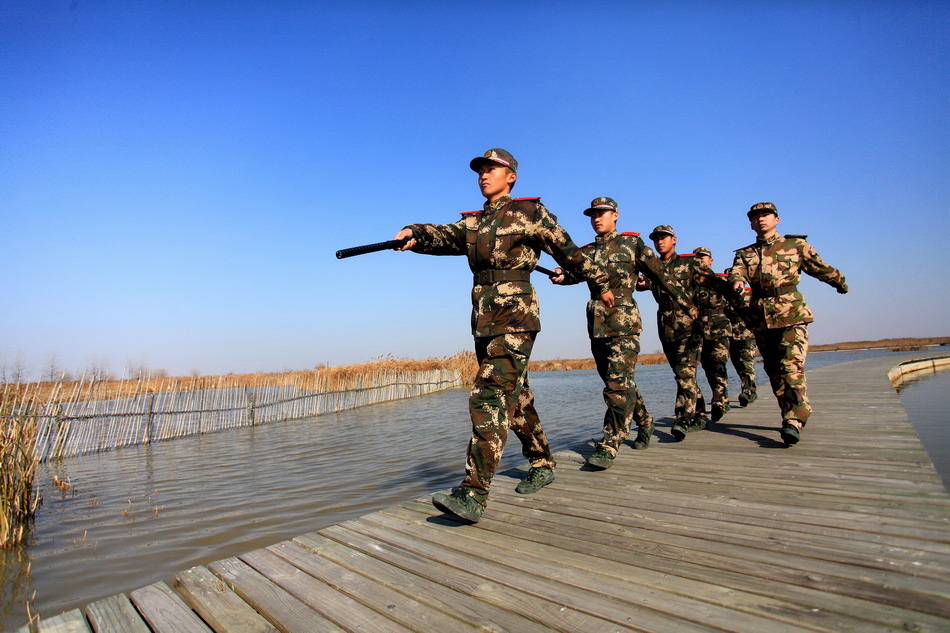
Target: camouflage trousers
(683, 357)
(616, 359)
(713, 358)
(501, 399)
(742, 352)
(783, 357)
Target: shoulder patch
(586, 245)
(744, 247)
(722, 275)
(801, 237)
(529, 198)
(688, 255)
(631, 233)
(473, 212)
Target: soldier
(778, 315)
(742, 350)
(680, 334)
(502, 243)
(615, 332)
(716, 330)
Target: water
(926, 400)
(142, 514)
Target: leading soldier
(615, 332)
(502, 243)
(778, 315)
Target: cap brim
(655, 233)
(477, 163)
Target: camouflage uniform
(502, 243)
(742, 350)
(716, 331)
(778, 315)
(615, 332)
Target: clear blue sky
(175, 177)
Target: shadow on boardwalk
(727, 530)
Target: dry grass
(18, 465)
(587, 363)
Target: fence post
(249, 398)
(148, 419)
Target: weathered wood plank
(286, 612)
(218, 605)
(409, 612)
(396, 572)
(69, 622)
(164, 610)
(115, 614)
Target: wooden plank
(218, 605)
(69, 622)
(349, 614)
(407, 611)
(396, 572)
(164, 611)
(115, 614)
(286, 612)
(824, 609)
(529, 594)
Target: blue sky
(175, 177)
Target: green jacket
(502, 243)
(773, 269)
(623, 256)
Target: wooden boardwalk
(726, 531)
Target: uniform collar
(600, 239)
(491, 207)
(775, 238)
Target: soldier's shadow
(747, 432)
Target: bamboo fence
(83, 417)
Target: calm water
(139, 515)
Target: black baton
(371, 248)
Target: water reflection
(141, 514)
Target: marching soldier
(716, 331)
(615, 331)
(680, 333)
(502, 243)
(778, 315)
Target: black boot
(643, 437)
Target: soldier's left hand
(558, 278)
(843, 289)
(608, 299)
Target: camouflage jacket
(502, 243)
(673, 322)
(711, 302)
(623, 256)
(773, 268)
(740, 331)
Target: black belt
(619, 293)
(758, 291)
(712, 312)
(485, 277)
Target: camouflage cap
(702, 251)
(762, 207)
(602, 203)
(495, 155)
(662, 229)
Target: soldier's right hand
(737, 287)
(402, 235)
(558, 278)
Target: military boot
(790, 433)
(536, 479)
(719, 410)
(680, 429)
(602, 459)
(644, 431)
(699, 423)
(460, 503)
(744, 399)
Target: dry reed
(18, 464)
(84, 416)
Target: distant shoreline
(906, 344)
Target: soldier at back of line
(502, 243)
(717, 330)
(742, 349)
(615, 331)
(778, 315)
(680, 332)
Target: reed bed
(79, 417)
(588, 363)
(18, 464)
